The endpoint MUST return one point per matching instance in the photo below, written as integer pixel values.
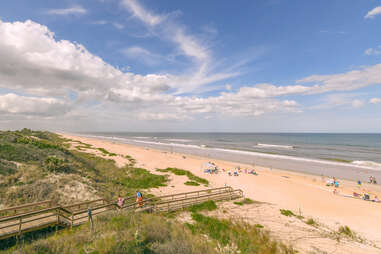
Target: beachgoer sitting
(236, 173)
(376, 199)
(230, 173)
(359, 183)
(337, 184)
(366, 196)
(120, 201)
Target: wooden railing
(10, 211)
(76, 214)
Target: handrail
(85, 203)
(29, 214)
(178, 201)
(25, 206)
(187, 193)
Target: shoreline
(318, 167)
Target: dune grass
(245, 201)
(190, 175)
(245, 238)
(121, 232)
(191, 183)
(205, 206)
(45, 155)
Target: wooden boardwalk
(15, 221)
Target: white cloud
(75, 9)
(374, 12)
(373, 51)
(375, 100)
(15, 104)
(340, 100)
(63, 77)
(163, 116)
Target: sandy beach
(301, 193)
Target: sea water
(352, 156)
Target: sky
(209, 66)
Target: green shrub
(191, 183)
(311, 222)
(345, 230)
(122, 233)
(207, 205)
(181, 172)
(245, 201)
(7, 167)
(54, 164)
(247, 238)
(287, 213)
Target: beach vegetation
(105, 152)
(245, 201)
(192, 183)
(248, 238)
(345, 230)
(121, 232)
(287, 213)
(311, 222)
(205, 206)
(39, 163)
(182, 172)
(7, 167)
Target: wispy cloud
(142, 14)
(117, 25)
(373, 13)
(141, 54)
(75, 9)
(203, 71)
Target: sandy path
(287, 190)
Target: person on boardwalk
(139, 199)
(120, 202)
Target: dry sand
(301, 193)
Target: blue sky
(263, 65)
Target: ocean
(351, 156)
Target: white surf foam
(178, 140)
(274, 146)
(367, 164)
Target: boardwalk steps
(15, 221)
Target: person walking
(139, 199)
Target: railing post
(20, 226)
